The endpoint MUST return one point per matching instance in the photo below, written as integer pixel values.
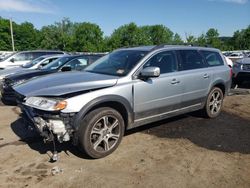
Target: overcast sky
(182, 16)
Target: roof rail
(184, 44)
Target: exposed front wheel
(214, 103)
(101, 132)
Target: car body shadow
(226, 133)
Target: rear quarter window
(212, 58)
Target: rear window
(190, 59)
(212, 58)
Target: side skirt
(165, 115)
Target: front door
(157, 96)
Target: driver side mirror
(150, 72)
(66, 68)
(12, 60)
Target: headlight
(45, 103)
(17, 82)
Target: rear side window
(212, 58)
(190, 59)
(78, 63)
(20, 57)
(92, 59)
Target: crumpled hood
(65, 83)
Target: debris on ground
(56, 170)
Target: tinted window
(38, 54)
(57, 63)
(166, 61)
(190, 59)
(20, 57)
(212, 58)
(31, 63)
(92, 59)
(78, 63)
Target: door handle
(205, 76)
(174, 81)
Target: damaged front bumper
(49, 124)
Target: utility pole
(12, 38)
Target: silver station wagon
(127, 88)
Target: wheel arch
(118, 103)
(220, 84)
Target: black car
(65, 63)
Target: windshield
(32, 63)
(6, 57)
(57, 63)
(118, 63)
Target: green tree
(25, 36)
(161, 34)
(127, 35)
(57, 36)
(5, 38)
(157, 34)
(87, 37)
(241, 39)
(212, 37)
(190, 39)
(201, 40)
(177, 39)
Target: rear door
(196, 78)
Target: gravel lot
(186, 151)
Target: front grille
(246, 67)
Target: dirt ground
(186, 151)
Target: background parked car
(21, 58)
(241, 71)
(65, 63)
(35, 64)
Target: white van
(21, 58)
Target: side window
(29, 56)
(166, 61)
(37, 54)
(78, 63)
(212, 58)
(92, 59)
(190, 59)
(20, 57)
(45, 62)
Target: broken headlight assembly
(46, 104)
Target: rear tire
(101, 132)
(214, 103)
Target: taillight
(231, 72)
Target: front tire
(214, 103)
(101, 132)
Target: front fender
(100, 100)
